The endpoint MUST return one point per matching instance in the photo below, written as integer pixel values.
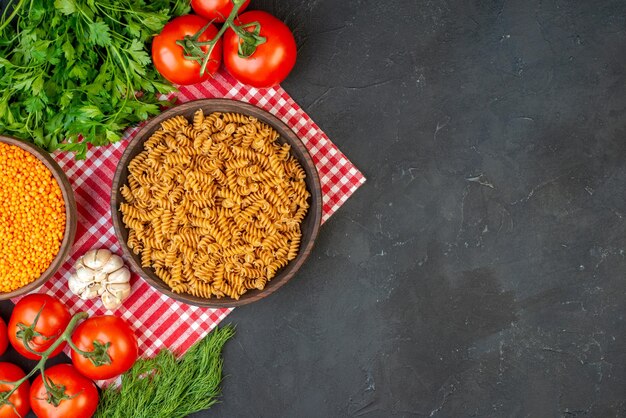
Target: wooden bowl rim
(70, 215)
(315, 208)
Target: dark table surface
(480, 270)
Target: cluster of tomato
(102, 347)
(257, 48)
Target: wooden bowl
(310, 224)
(71, 216)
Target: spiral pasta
(214, 205)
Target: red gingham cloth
(158, 320)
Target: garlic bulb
(101, 273)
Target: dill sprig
(167, 386)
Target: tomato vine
(250, 39)
(56, 393)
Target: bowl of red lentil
(37, 217)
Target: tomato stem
(66, 336)
(78, 350)
(28, 333)
(249, 39)
(99, 356)
(193, 48)
(55, 394)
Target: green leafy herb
(78, 72)
(166, 386)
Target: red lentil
(32, 217)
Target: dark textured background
(480, 270)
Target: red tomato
(97, 332)
(4, 339)
(217, 10)
(271, 62)
(52, 321)
(11, 373)
(169, 58)
(80, 399)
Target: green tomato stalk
(250, 39)
(55, 393)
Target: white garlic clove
(103, 256)
(90, 260)
(115, 295)
(77, 286)
(79, 263)
(84, 274)
(110, 302)
(122, 295)
(102, 289)
(119, 276)
(114, 264)
(120, 289)
(92, 291)
(100, 277)
(101, 273)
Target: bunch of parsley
(78, 72)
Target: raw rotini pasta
(214, 205)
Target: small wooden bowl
(71, 216)
(310, 225)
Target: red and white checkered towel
(158, 320)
